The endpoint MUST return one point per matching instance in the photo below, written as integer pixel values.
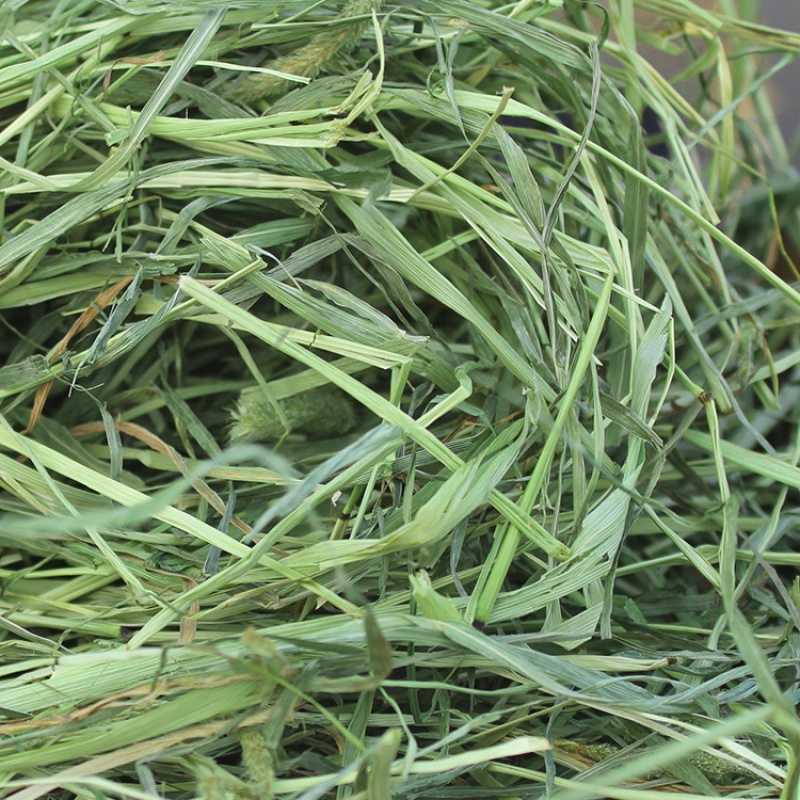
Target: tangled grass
(388, 411)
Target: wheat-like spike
(716, 769)
(311, 59)
(257, 760)
(320, 413)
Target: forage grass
(397, 401)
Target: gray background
(784, 87)
(786, 90)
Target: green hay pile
(385, 412)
